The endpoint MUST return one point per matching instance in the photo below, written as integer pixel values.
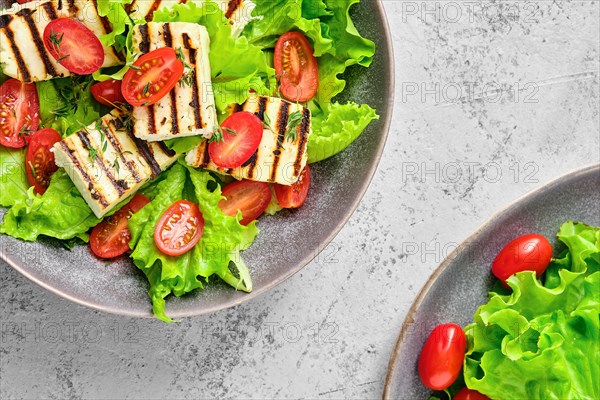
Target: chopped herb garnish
(280, 144)
(146, 89)
(294, 119)
(217, 135)
(188, 78)
(56, 40)
(126, 117)
(93, 153)
(230, 131)
(266, 122)
(25, 131)
(33, 171)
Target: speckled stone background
(492, 100)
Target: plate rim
(303, 262)
(416, 304)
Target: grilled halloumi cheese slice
(23, 54)
(189, 109)
(278, 158)
(108, 164)
(239, 12)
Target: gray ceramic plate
(462, 281)
(287, 242)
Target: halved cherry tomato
(295, 195)
(242, 133)
(40, 160)
(110, 238)
(19, 112)
(108, 92)
(468, 394)
(296, 67)
(153, 76)
(251, 198)
(23, 1)
(525, 253)
(179, 228)
(442, 356)
(74, 46)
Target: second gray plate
(460, 284)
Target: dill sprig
(218, 134)
(188, 77)
(294, 119)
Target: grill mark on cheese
(281, 127)
(146, 154)
(153, 8)
(167, 151)
(205, 156)
(59, 4)
(262, 107)
(145, 43)
(26, 13)
(251, 164)
(24, 72)
(118, 185)
(105, 23)
(50, 11)
(151, 120)
(108, 29)
(195, 103)
(168, 37)
(72, 7)
(117, 147)
(251, 160)
(238, 108)
(129, 7)
(232, 6)
(303, 139)
(93, 192)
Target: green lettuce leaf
(274, 207)
(60, 212)
(341, 125)
(541, 341)
(114, 11)
(67, 104)
(119, 37)
(13, 177)
(217, 252)
(236, 65)
(274, 18)
(349, 48)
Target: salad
(538, 335)
(164, 130)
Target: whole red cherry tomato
(469, 394)
(525, 253)
(442, 356)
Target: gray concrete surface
(526, 76)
